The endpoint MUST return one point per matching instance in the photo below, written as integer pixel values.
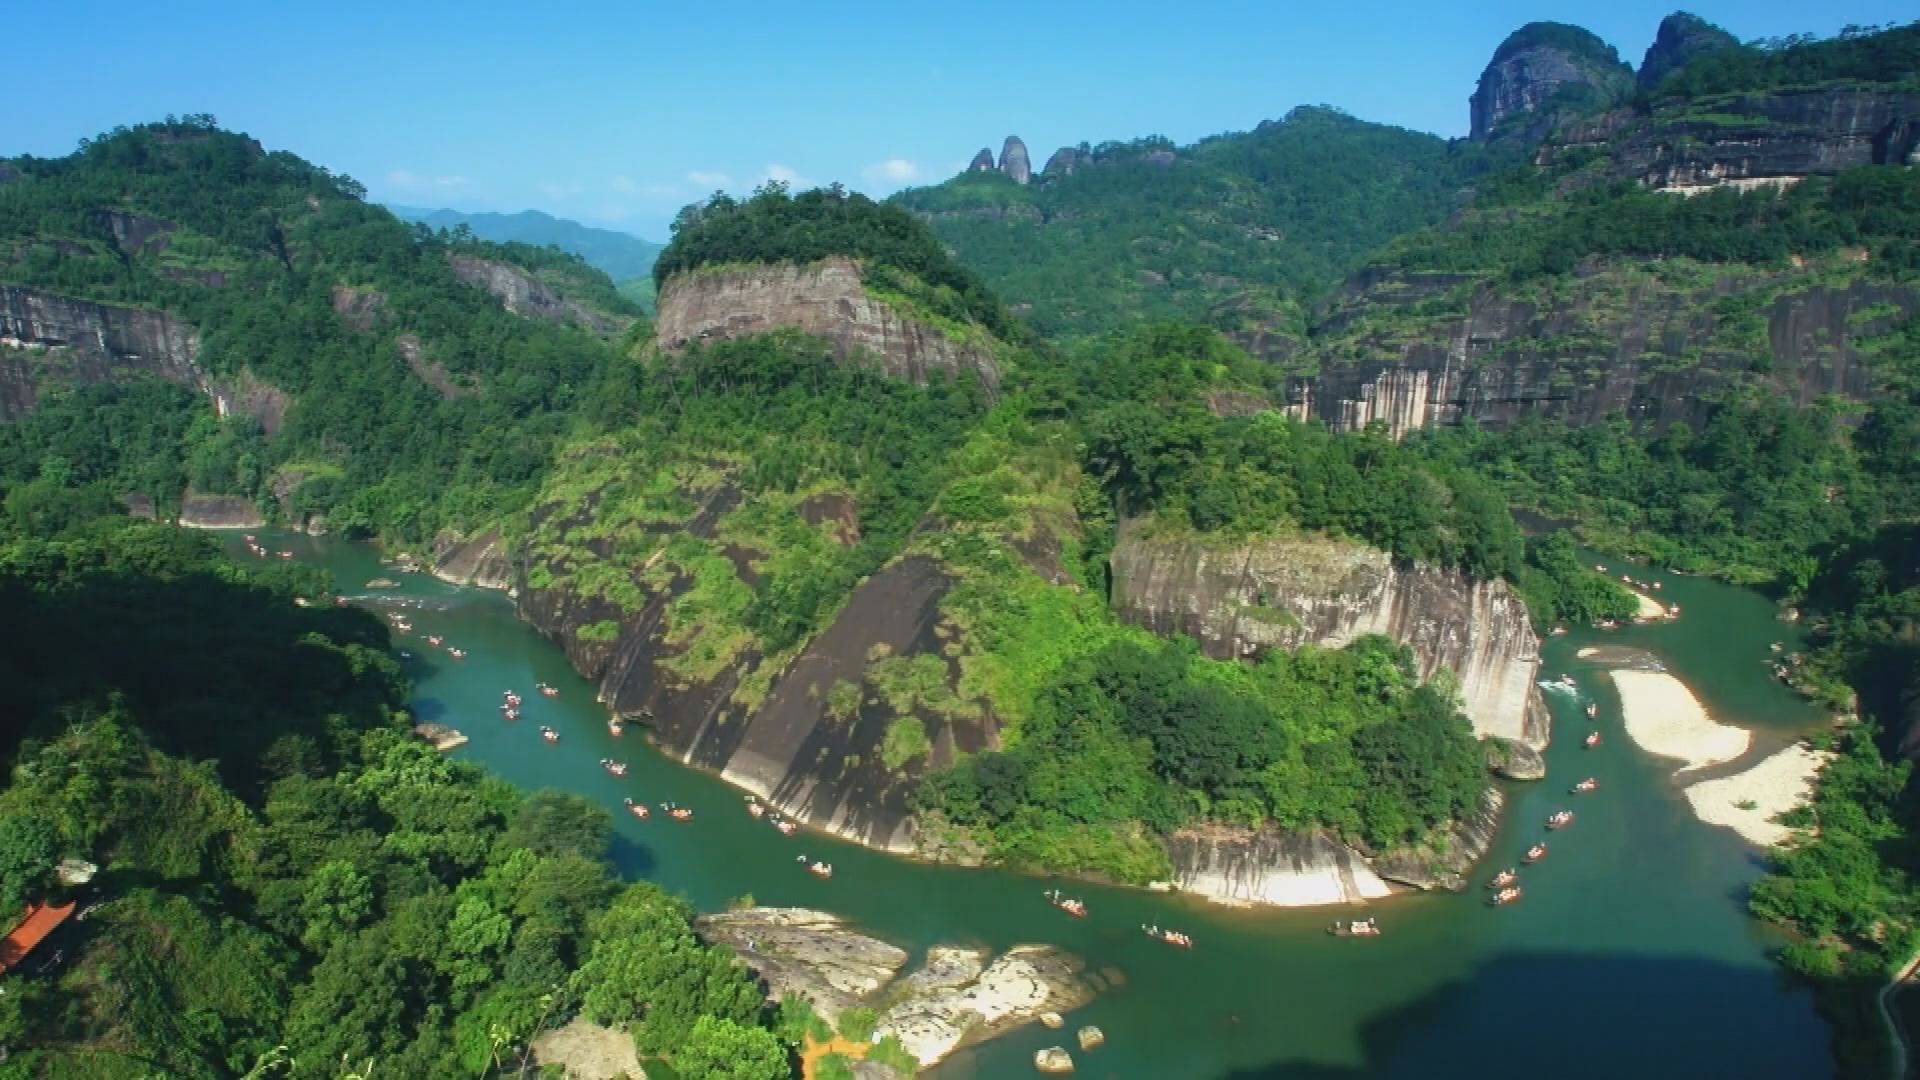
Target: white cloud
(622, 184)
(408, 180)
(892, 171)
(709, 180)
(786, 174)
(663, 191)
(562, 190)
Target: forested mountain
(624, 257)
(1239, 231)
(385, 377)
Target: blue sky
(620, 113)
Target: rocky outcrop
(244, 395)
(1542, 75)
(480, 559)
(1682, 38)
(521, 293)
(982, 161)
(1772, 139)
(1014, 161)
(1614, 341)
(959, 996)
(1515, 760)
(47, 340)
(1284, 590)
(358, 308)
(1063, 162)
(826, 299)
(199, 511)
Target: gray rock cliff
(826, 299)
(982, 161)
(1615, 340)
(1014, 161)
(1284, 590)
(1541, 75)
(47, 339)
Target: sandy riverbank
(1650, 608)
(1770, 788)
(1663, 717)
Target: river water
(1631, 953)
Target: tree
(718, 1049)
(29, 846)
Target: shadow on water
(635, 860)
(1599, 1016)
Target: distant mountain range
(621, 256)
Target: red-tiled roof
(39, 921)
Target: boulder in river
(1054, 1059)
(1092, 1038)
(1515, 760)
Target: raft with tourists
(1074, 907)
(1535, 853)
(1585, 786)
(549, 734)
(1504, 878)
(821, 870)
(638, 809)
(1168, 937)
(1505, 896)
(677, 812)
(1368, 927)
(1560, 819)
(617, 768)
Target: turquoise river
(1630, 955)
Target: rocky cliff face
(1270, 866)
(1770, 139)
(1014, 161)
(47, 339)
(1283, 591)
(1540, 76)
(1616, 340)
(826, 299)
(982, 161)
(520, 293)
(1682, 37)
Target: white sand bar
(1649, 607)
(1663, 717)
(1773, 787)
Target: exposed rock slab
(1244, 867)
(959, 996)
(825, 299)
(1014, 161)
(810, 953)
(1445, 861)
(1284, 590)
(480, 559)
(199, 511)
(588, 1051)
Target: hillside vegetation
(1236, 231)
